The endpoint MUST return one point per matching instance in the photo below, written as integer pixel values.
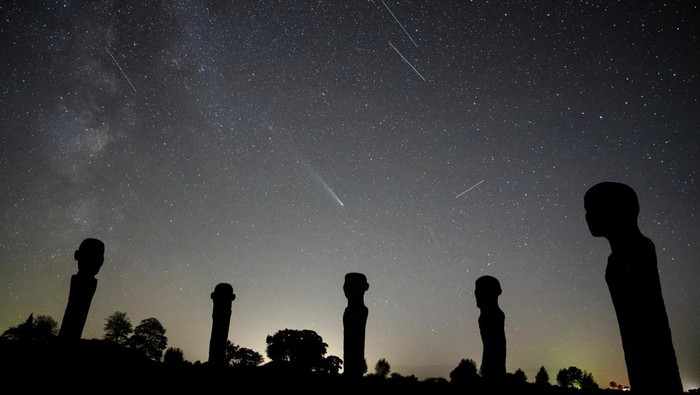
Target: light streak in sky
(397, 21)
(432, 233)
(470, 188)
(314, 175)
(547, 239)
(120, 69)
(321, 181)
(327, 188)
(405, 60)
(337, 199)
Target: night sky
(277, 146)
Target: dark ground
(94, 367)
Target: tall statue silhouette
(492, 329)
(90, 256)
(223, 297)
(354, 324)
(633, 280)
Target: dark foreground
(99, 369)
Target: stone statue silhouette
(632, 277)
(354, 324)
(492, 329)
(223, 297)
(90, 256)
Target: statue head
(611, 207)
(90, 256)
(355, 285)
(223, 292)
(487, 290)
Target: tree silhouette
(587, 382)
(331, 365)
(382, 368)
(174, 356)
(576, 378)
(304, 349)
(241, 356)
(615, 386)
(542, 377)
(465, 374)
(22, 332)
(520, 376)
(566, 378)
(41, 329)
(118, 328)
(149, 338)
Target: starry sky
(277, 146)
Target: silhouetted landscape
(129, 357)
(32, 352)
(98, 364)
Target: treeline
(141, 354)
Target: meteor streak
(120, 69)
(405, 60)
(397, 21)
(470, 188)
